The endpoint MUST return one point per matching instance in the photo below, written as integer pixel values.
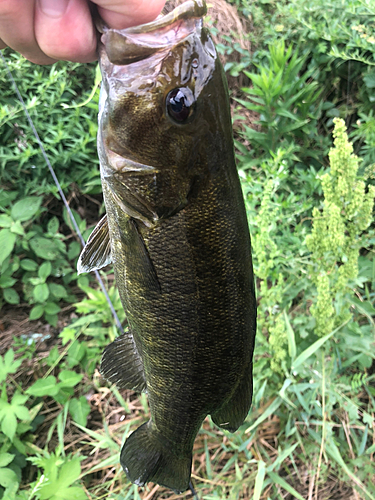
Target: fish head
(164, 109)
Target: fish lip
(123, 47)
(187, 10)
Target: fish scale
(177, 235)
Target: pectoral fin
(97, 252)
(138, 258)
(122, 365)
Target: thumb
(120, 14)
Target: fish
(176, 233)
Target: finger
(17, 29)
(120, 14)
(2, 44)
(64, 30)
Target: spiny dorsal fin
(122, 365)
(97, 252)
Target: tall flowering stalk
(337, 231)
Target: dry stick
(311, 487)
(151, 494)
(31, 123)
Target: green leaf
(59, 483)
(5, 459)
(51, 308)
(7, 478)
(35, 281)
(36, 312)
(29, 265)
(75, 353)
(79, 410)
(11, 296)
(5, 267)
(5, 220)
(6, 197)
(44, 387)
(369, 80)
(8, 364)
(6, 281)
(17, 228)
(69, 378)
(7, 242)
(45, 270)
(53, 225)
(8, 421)
(41, 292)
(67, 335)
(44, 248)
(9, 412)
(51, 319)
(57, 291)
(18, 407)
(25, 209)
(74, 250)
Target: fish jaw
(139, 42)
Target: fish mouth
(133, 44)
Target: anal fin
(122, 365)
(97, 251)
(232, 414)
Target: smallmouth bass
(177, 235)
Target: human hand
(48, 30)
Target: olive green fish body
(177, 235)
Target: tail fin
(145, 458)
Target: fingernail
(53, 8)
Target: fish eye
(180, 104)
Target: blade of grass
(314, 347)
(111, 461)
(291, 337)
(334, 453)
(102, 440)
(269, 411)
(120, 399)
(281, 482)
(98, 79)
(259, 480)
(208, 460)
(283, 455)
(65, 351)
